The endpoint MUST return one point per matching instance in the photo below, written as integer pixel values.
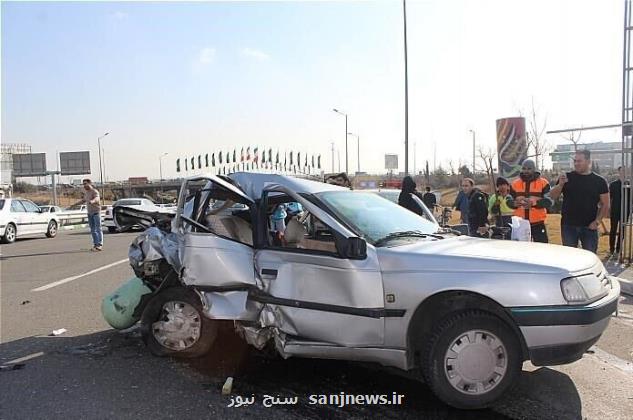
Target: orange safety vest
(534, 215)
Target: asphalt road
(92, 371)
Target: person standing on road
(585, 203)
(461, 204)
(615, 204)
(477, 209)
(501, 205)
(405, 199)
(93, 206)
(429, 199)
(531, 197)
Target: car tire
(112, 229)
(10, 233)
(471, 359)
(173, 324)
(51, 230)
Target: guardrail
(75, 217)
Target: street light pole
(473, 131)
(357, 148)
(160, 169)
(101, 165)
(406, 94)
(332, 157)
(346, 151)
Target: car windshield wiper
(405, 234)
(449, 230)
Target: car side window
(30, 207)
(17, 207)
(293, 231)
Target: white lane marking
(25, 358)
(69, 279)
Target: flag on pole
(178, 165)
(270, 155)
(313, 161)
(199, 162)
(319, 162)
(206, 160)
(213, 160)
(234, 156)
(291, 158)
(256, 155)
(242, 155)
(264, 158)
(277, 157)
(186, 164)
(193, 163)
(248, 153)
(220, 157)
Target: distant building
(6, 160)
(607, 156)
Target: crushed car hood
(485, 255)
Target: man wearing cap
(501, 205)
(531, 198)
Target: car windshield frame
(394, 218)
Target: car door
(21, 217)
(216, 259)
(38, 220)
(316, 294)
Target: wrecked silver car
(357, 277)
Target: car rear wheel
(51, 231)
(112, 229)
(472, 359)
(10, 234)
(173, 324)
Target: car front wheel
(173, 324)
(472, 359)
(112, 229)
(51, 231)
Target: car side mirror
(354, 248)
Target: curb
(72, 227)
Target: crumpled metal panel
(152, 245)
(254, 335)
(209, 260)
(231, 305)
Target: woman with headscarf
(406, 199)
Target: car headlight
(583, 289)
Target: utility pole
(473, 131)
(406, 94)
(346, 150)
(332, 157)
(101, 165)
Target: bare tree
(488, 156)
(535, 137)
(571, 136)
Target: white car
(20, 217)
(51, 209)
(143, 204)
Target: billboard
(74, 163)
(391, 161)
(511, 145)
(29, 164)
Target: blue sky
(191, 78)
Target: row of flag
(250, 161)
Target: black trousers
(539, 232)
(614, 234)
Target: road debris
(17, 366)
(58, 332)
(228, 386)
(24, 302)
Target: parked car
(142, 204)
(51, 209)
(20, 217)
(360, 278)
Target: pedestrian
(477, 209)
(93, 206)
(501, 206)
(278, 219)
(429, 199)
(585, 203)
(461, 204)
(406, 200)
(532, 200)
(615, 213)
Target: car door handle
(269, 272)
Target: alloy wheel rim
(475, 362)
(178, 327)
(10, 233)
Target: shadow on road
(110, 374)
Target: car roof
(254, 183)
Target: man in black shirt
(429, 199)
(585, 203)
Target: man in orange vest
(531, 198)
